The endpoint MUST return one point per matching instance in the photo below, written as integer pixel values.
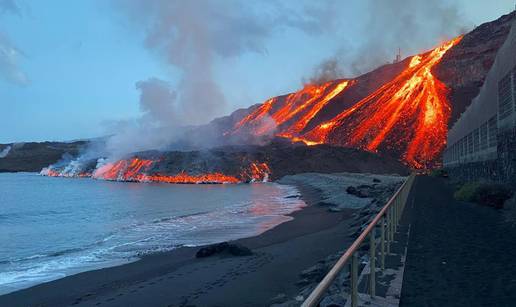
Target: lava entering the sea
(141, 170)
(407, 116)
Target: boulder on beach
(224, 247)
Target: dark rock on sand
(293, 196)
(315, 273)
(224, 247)
(354, 191)
(325, 203)
(335, 300)
(280, 298)
(362, 191)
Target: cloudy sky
(76, 69)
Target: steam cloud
(9, 54)
(413, 26)
(5, 152)
(192, 36)
(155, 129)
(327, 70)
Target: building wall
(484, 132)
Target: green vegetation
(489, 194)
(438, 173)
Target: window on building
(483, 137)
(504, 97)
(493, 130)
(514, 87)
(470, 143)
(462, 146)
(476, 141)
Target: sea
(54, 227)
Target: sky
(76, 69)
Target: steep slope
(402, 109)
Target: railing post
(393, 229)
(398, 205)
(388, 229)
(382, 242)
(354, 280)
(372, 262)
(396, 212)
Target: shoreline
(273, 271)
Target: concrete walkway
(459, 254)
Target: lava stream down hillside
(407, 116)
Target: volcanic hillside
(402, 109)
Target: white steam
(159, 124)
(413, 26)
(10, 70)
(5, 152)
(192, 36)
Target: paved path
(459, 254)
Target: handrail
(392, 210)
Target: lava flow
(407, 116)
(290, 114)
(141, 170)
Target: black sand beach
(178, 278)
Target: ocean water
(54, 227)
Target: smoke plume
(9, 54)
(191, 37)
(159, 124)
(413, 26)
(4, 152)
(327, 70)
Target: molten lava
(141, 170)
(183, 177)
(407, 116)
(123, 170)
(291, 113)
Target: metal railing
(387, 219)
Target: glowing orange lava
(183, 177)
(408, 115)
(140, 170)
(291, 113)
(123, 170)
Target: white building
(474, 137)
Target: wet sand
(177, 278)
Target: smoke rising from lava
(159, 124)
(5, 152)
(9, 54)
(328, 70)
(413, 26)
(192, 37)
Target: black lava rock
(358, 192)
(224, 247)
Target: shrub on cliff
(439, 173)
(489, 194)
